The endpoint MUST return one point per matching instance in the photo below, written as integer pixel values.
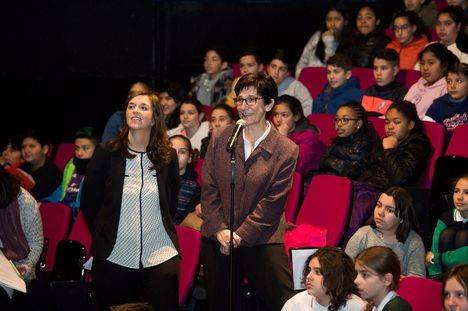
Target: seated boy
(279, 69)
(451, 109)
(341, 87)
(387, 90)
(250, 61)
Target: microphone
(235, 134)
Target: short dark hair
(228, 110)
(251, 51)
(221, 51)
(176, 91)
(193, 101)
(263, 83)
(39, 136)
(340, 60)
(283, 56)
(459, 68)
(389, 55)
(88, 133)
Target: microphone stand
(231, 229)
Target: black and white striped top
(141, 236)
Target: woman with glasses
(355, 138)
(265, 162)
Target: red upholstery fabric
(190, 245)
(408, 77)
(198, 169)
(80, 233)
(436, 134)
(55, 222)
(365, 77)
(207, 111)
(441, 4)
(379, 125)
(314, 79)
(458, 145)
(423, 294)
(292, 203)
(325, 124)
(65, 152)
(326, 205)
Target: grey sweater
(411, 253)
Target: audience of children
(378, 276)
(213, 86)
(42, 171)
(426, 10)
(411, 36)
(328, 277)
(289, 119)
(279, 68)
(450, 30)
(387, 90)
(324, 42)
(455, 289)
(450, 240)
(434, 62)
(221, 116)
(171, 98)
(341, 88)
(451, 109)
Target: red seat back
(326, 205)
(379, 125)
(190, 245)
(365, 77)
(324, 122)
(422, 294)
(65, 152)
(207, 112)
(80, 233)
(55, 222)
(408, 77)
(436, 134)
(458, 145)
(314, 79)
(292, 203)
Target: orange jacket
(409, 53)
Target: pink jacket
(423, 96)
(310, 150)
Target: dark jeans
(265, 266)
(116, 285)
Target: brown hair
(460, 274)
(159, 147)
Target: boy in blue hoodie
(451, 109)
(341, 87)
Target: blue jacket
(449, 113)
(331, 99)
(113, 126)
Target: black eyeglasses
(344, 120)
(249, 101)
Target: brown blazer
(262, 184)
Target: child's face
(346, 122)
(32, 151)
(457, 86)
(337, 76)
(10, 155)
(404, 31)
(335, 22)
(366, 21)
(219, 120)
(183, 152)
(384, 214)
(460, 196)
(189, 116)
(278, 70)
(84, 148)
(384, 72)
(413, 5)
(447, 29)
(213, 62)
(371, 286)
(168, 103)
(249, 64)
(282, 115)
(397, 124)
(431, 68)
(314, 280)
(454, 296)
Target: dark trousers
(116, 285)
(265, 266)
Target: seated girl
(189, 191)
(328, 276)
(450, 240)
(69, 192)
(455, 289)
(170, 98)
(378, 276)
(450, 28)
(221, 116)
(393, 227)
(42, 171)
(191, 124)
(11, 160)
(355, 138)
(289, 119)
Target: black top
(397, 304)
(47, 178)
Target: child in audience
(189, 192)
(69, 192)
(387, 90)
(213, 86)
(411, 36)
(450, 30)
(393, 226)
(250, 61)
(355, 138)
(434, 61)
(451, 109)
(290, 121)
(455, 289)
(279, 69)
(43, 172)
(191, 124)
(324, 42)
(328, 276)
(11, 160)
(378, 276)
(450, 240)
(221, 116)
(369, 38)
(170, 98)
(341, 87)
(426, 10)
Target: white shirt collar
(391, 294)
(248, 148)
(457, 216)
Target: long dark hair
(440, 51)
(408, 109)
(159, 147)
(367, 129)
(9, 188)
(458, 15)
(414, 20)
